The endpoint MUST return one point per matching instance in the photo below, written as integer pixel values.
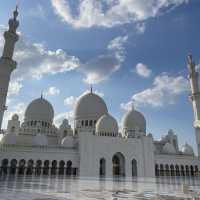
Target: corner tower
(7, 64)
(195, 98)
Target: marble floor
(63, 188)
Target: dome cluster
(91, 112)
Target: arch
(38, 167)
(156, 170)
(61, 167)
(182, 170)
(53, 167)
(13, 166)
(161, 170)
(187, 171)
(167, 171)
(192, 170)
(4, 166)
(22, 167)
(196, 170)
(118, 162)
(69, 168)
(177, 170)
(46, 167)
(134, 168)
(29, 170)
(102, 167)
(172, 170)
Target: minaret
(195, 98)
(7, 64)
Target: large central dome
(90, 106)
(39, 109)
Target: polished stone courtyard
(63, 188)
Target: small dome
(107, 124)
(134, 120)
(15, 117)
(68, 141)
(187, 149)
(9, 138)
(90, 106)
(169, 148)
(40, 140)
(40, 110)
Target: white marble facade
(95, 146)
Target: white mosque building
(94, 147)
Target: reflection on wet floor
(59, 188)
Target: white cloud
(35, 61)
(110, 13)
(143, 70)
(103, 66)
(14, 88)
(52, 91)
(70, 101)
(164, 91)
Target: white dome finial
(91, 89)
(133, 105)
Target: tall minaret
(195, 98)
(7, 64)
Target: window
(86, 122)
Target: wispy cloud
(103, 66)
(164, 91)
(111, 13)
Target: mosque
(94, 147)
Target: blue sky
(128, 49)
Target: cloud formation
(164, 91)
(35, 61)
(110, 13)
(52, 91)
(143, 70)
(103, 66)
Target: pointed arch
(134, 168)
(102, 167)
(118, 161)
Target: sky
(128, 50)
